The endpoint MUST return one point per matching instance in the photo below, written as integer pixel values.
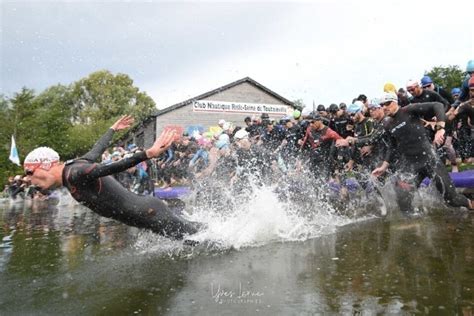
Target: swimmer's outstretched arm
(160, 146)
(104, 142)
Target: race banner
(237, 107)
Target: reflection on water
(66, 260)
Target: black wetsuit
(466, 139)
(467, 109)
(339, 125)
(93, 185)
(430, 96)
(409, 138)
(378, 139)
(445, 94)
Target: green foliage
(299, 104)
(53, 113)
(102, 96)
(7, 128)
(447, 77)
(69, 119)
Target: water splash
(262, 219)
(259, 218)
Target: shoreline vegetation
(70, 118)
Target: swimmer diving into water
(93, 185)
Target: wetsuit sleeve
(447, 96)
(390, 140)
(466, 109)
(464, 96)
(422, 109)
(376, 136)
(100, 146)
(101, 170)
(442, 100)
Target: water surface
(66, 260)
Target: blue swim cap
(456, 91)
(426, 81)
(354, 108)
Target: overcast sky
(326, 51)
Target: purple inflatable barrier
(351, 184)
(464, 179)
(172, 193)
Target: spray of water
(256, 216)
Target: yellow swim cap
(389, 87)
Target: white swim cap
(43, 157)
(241, 134)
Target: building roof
(223, 88)
(205, 95)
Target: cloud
(324, 51)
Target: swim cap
(389, 87)
(374, 104)
(226, 126)
(388, 97)
(354, 108)
(296, 114)
(314, 116)
(241, 134)
(333, 108)
(470, 66)
(41, 157)
(204, 141)
(426, 81)
(223, 141)
(456, 91)
(285, 120)
(412, 83)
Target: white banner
(235, 107)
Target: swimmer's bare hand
(439, 137)
(342, 143)
(366, 150)
(162, 143)
(380, 170)
(122, 123)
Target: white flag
(14, 153)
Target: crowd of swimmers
(327, 142)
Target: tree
(22, 116)
(7, 168)
(14, 113)
(447, 77)
(54, 120)
(103, 96)
(299, 104)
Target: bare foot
(454, 168)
